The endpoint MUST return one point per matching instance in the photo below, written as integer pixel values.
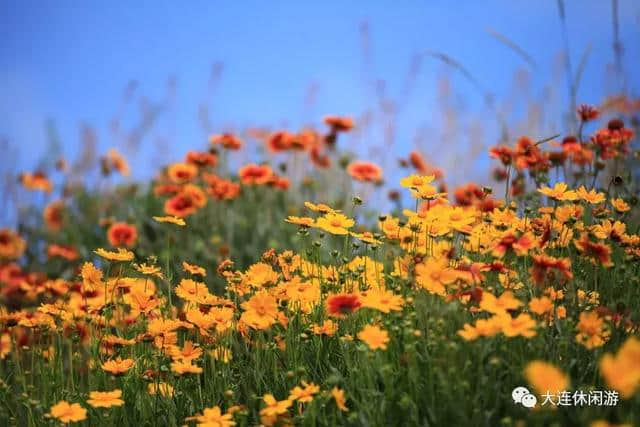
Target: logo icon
(522, 396)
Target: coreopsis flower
(620, 205)
(227, 140)
(116, 161)
(416, 181)
(171, 220)
(320, 207)
(304, 221)
(274, 407)
(592, 331)
(305, 393)
(122, 234)
(63, 251)
(194, 269)
(522, 325)
(340, 305)
(547, 269)
(367, 238)
(592, 196)
(182, 367)
(37, 181)
(374, 336)
(621, 371)
(163, 388)
(597, 253)
(558, 192)
(338, 397)
(105, 399)
(509, 242)
(434, 274)
(541, 306)
(261, 311)
(499, 305)
(365, 171)
(12, 246)
(609, 230)
(382, 300)
(91, 276)
(335, 223)
(53, 215)
(545, 378)
(149, 270)
(201, 159)
(328, 327)
(213, 417)
(119, 254)
(587, 113)
(181, 173)
(261, 274)
(187, 353)
(67, 412)
(117, 366)
(253, 174)
(192, 291)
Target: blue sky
(70, 61)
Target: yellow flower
(120, 254)
(540, 305)
(416, 181)
(213, 417)
(149, 270)
(620, 205)
(335, 223)
(261, 311)
(274, 407)
(338, 396)
(304, 395)
(328, 327)
(320, 207)
(546, 378)
(68, 413)
(91, 276)
(523, 325)
(261, 274)
(592, 332)
(192, 291)
(622, 370)
(381, 300)
(117, 366)
(434, 274)
(374, 337)
(500, 305)
(559, 192)
(303, 221)
(105, 399)
(592, 196)
(170, 219)
(366, 237)
(182, 367)
(194, 269)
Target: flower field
(228, 292)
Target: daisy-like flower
(213, 417)
(559, 192)
(592, 196)
(274, 407)
(622, 370)
(122, 234)
(367, 237)
(620, 205)
(261, 311)
(365, 171)
(119, 255)
(374, 337)
(305, 393)
(416, 181)
(338, 396)
(171, 220)
(149, 270)
(67, 412)
(105, 399)
(545, 377)
(194, 269)
(117, 366)
(303, 221)
(335, 223)
(320, 207)
(328, 327)
(340, 305)
(182, 367)
(181, 173)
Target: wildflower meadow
(308, 284)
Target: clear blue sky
(70, 60)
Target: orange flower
(117, 366)
(365, 171)
(339, 124)
(201, 159)
(549, 269)
(280, 141)
(335, 223)
(182, 367)
(36, 181)
(374, 337)
(559, 192)
(105, 399)
(181, 205)
(228, 141)
(68, 413)
(194, 269)
(181, 173)
(116, 161)
(122, 234)
(52, 215)
(67, 252)
(338, 396)
(12, 246)
(255, 174)
(597, 253)
(305, 393)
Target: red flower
(588, 112)
(339, 124)
(255, 174)
(342, 304)
(122, 234)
